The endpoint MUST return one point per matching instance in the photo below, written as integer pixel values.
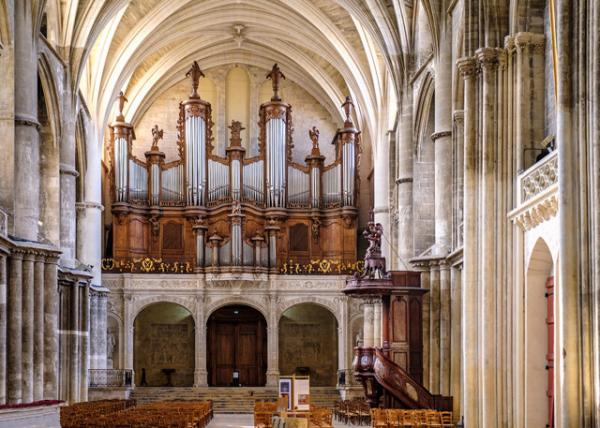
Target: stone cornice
(534, 214)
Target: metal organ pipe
(171, 188)
(121, 164)
(155, 177)
(298, 187)
(138, 181)
(348, 174)
(195, 143)
(315, 187)
(235, 179)
(254, 182)
(276, 162)
(218, 181)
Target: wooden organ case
(234, 213)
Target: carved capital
(467, 67)
(533, 41)
(488, 58)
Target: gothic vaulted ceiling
(330, 47)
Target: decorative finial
(314, 137)
(275, 75)
(236, 129)
(157, 134)
(348, 107)
(195, 74)
(122, 99)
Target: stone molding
(402, 180)
(536, 213)
(68, 170)
(21, 120)
(89, 205)
(440, 134)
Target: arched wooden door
(237, 341)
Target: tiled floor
(243, 421)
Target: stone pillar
(27, 145)
(425, 326)
(272, 343)
(199, 228)
(470, 364)
(51, 310)
(128, 334)
(434, 329)
(344, 356)
(3, 326)
(68, 215)
(84, 328)
(200, 372)
(27, 326)
(404, 181)
(368, 340)
(488, 58)
(102, 330)
(570, 356)
(38, 329)
(455, 343)
(458, 138)
(94, 325)
(377, 322)
(14, 347)
(445, 329)
(75, 348)
(381, 210)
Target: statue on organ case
(374, 261)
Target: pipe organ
(234, 213)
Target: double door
(236, 346)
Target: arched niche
(539, 336)
(236, 341)
(164, 339)
(308, 343)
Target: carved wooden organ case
(234, 213)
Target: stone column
(102, 330)
(84, 329)
(404, 181)
(368, 340)
(75, 348)
(445, 329)
(425, 326)
(488, 58)
(200, 372)
(272, 343)
(68, 215)
(94, 345)
(434, 329)
(51, 308)
(38, 329)
(27, 145)
(570, 358)
(455, 343)
(470, 364)
(27, 326)
(377, 322)
(128, 335)
(14, 347)
(3, 326)
(381, 210)
(459, 151)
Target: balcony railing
(110, 378)
(537, 178)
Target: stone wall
(308, 338)
(164, 338)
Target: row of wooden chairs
(266, 412)
(356, 412)
(77, 414)
(167, 414)
(402, 418)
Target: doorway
(237, 344)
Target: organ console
(234, 213)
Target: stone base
(31, 417)
(114, 393)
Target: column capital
(467, 67)
(488, 58)
(533, 41)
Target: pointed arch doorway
(236, 342)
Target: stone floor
(224, 420)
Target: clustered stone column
(273, 343)
(98, 327)
(74, 332)
(368, 326)
(28, 330)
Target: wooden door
(236, 343)
(550, 350)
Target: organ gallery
(299, 213)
